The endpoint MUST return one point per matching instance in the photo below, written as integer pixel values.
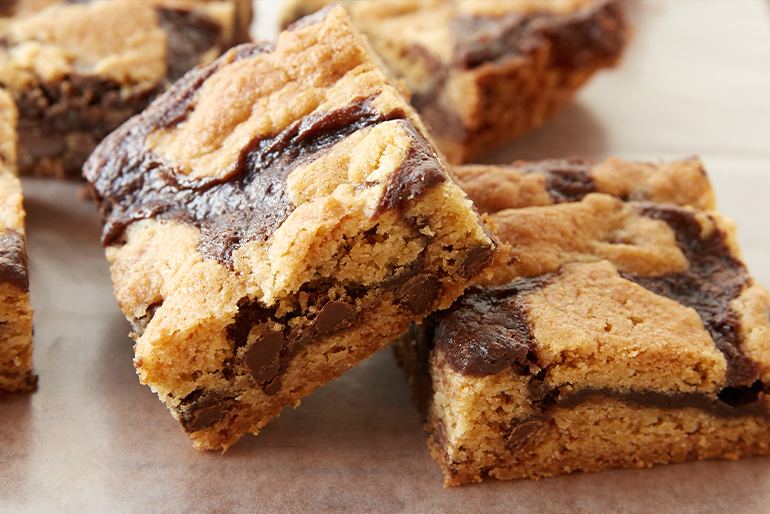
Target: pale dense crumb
(15, 313)
(485, 72)
(622, 333)
(77, 70)
(274, 219)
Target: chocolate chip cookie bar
(625, 332)
(77, 70)
(273, 219)
(15, 313)
(485, 72)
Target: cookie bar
(273, 219)
(15, 313)
(485, 72)
(624, 333)
(77, 70)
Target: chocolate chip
(202, 409)
(13, 260)
(273, 387)
(206, 417)
(262, 357)
(335, 315)
(522, 432)
(419, 292)
(476, 260)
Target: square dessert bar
(15, 313)
(77, 70)
(624, 332)
(273, 219)
(483, 72)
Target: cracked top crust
(638, 287)
(273, 171)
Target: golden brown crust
(78, 70)
(482, 73)
(273, 219)
(625, 331)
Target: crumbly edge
(16, 346)
(600, 433)
(198, 352)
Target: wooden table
(696, 80)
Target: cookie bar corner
(626, 333)
(272, 220)
(16, 373)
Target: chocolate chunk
(522, 433)
(715, 278)
(476, 260)
(272, 387)
(419, 292)
(487, 330)
(189, 35)
(13, 260)
(249, 313)
(262, 358)
(334, 316)
(205, 417)
(202, 409)
(419, 171)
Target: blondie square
(625, 332)
(483, 72)
(15, 313)
(77, 70)
(273, 219)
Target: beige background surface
(696, 80)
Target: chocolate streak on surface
(13, 260)
(665, 401)
(189, 35)
(487, 330)
(586, 38)
(249, 203)
(576, 40)
(567, 180)
(714, 279)
(418, 172)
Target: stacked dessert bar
(626, 330)
(483, 72)
(77, 70)
(273, 219)
(281, 213)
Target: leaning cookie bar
(624, 333)
(77, 70)
(273, 219)
(483, 72)
(15, 313)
